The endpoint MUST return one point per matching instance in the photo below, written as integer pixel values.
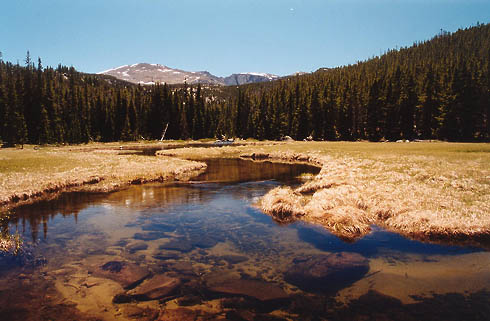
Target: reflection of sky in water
(375, 243)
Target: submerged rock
(162, 227)
(150, 236)
(139, 246)
(327, 273)
(122, 242)
(177, 244)
(220, 276)
(233, 259)
(182, 267)
(180, 314)
(203, 241)
(141, 314)
(250, 304)
(166, 255)
(189, 300)
(127, 274)
(157, 287)
(122, 298)
(257, 289)
(244, 315)
(113, 266)
(239, 315)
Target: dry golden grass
(284, 204)
(5, 245)
(29, 174)
(10, 244)
(428, 190)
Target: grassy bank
(424, 190)
(427, 190)
(32, 173)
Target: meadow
(427, 190)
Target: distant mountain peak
(149, 74)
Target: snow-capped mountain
(248, 77)
(148, 74)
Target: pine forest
(436, 89)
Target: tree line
(44, 105)
(436, 89)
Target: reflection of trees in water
(40, 213)
(149, 196)
(71, 204)
(237, 170)
(154, 196)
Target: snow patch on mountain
(146, 74)
(113, 69)
(260, 74)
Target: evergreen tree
(198, 119)
(329, 113)
(408, 103)
(184, 127)
(428, 124)
(3, 107)
(373, 113)
(15, 127)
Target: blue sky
(224, 36)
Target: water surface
(210, 254)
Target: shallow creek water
(201, 250)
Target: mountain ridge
(149, 74)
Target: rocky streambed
(202, 251)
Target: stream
(202, 250)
